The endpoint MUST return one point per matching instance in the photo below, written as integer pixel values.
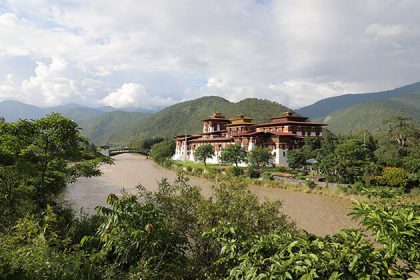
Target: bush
(267, 176)
(253, 172)
(311, 184)
(235, 171)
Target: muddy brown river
(314, 213)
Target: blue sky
(154, 53)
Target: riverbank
(318, 214)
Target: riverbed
(318, 214)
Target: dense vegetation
(392, 159)
(176, 233)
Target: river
(314, 213)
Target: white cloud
(7, 88)
(388, 30)
(50, 84)
(294, 52)
(134, 95)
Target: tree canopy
(233, 154)
(204, 152)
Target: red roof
(274, 123)
(216, 119)
(278, 133)
(182, 137)
(217, 139)
(213, 132)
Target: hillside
(371, 115)
(186, 116)
(14, 110)
(111, 127)
(75, 111)
(351, 113)
(321, 109)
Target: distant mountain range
(351, 113)
(120, 127)
(344, 114)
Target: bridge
(106, 151)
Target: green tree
(41, 151)
(295, 158)
(203, 152)
(259, 157)
(233, 154)
(162, 150)
(351, 160)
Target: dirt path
(314, 213)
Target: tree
(233, 154)
(162, 150)
(350, 160)
(40, 151)
(295, 158)
(259, 157)
(401, 140)
(203, 152)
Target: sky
(149, 54)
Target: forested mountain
(112, 127)
(351, 113)
(320, 109)
(186, 116)
(121, 127)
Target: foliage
(35, 161)
(393, 177)
(396, 225)
(233, 154)
(347, 162)
(146, 144)
(203, 152)
(345, 255)
(295, 158)
(259, 157)
(134, 233)
(162, 150)
(34, 250)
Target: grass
(194, 164)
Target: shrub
(235, 171)
(311, 184)
(253, 172)
(267, 176)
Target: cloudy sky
(153, 53)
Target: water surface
(314, 213)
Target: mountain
(186, 116)
(14, 110)
(111, 127)
(320, 109)
(75, 111)
(352, 113)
